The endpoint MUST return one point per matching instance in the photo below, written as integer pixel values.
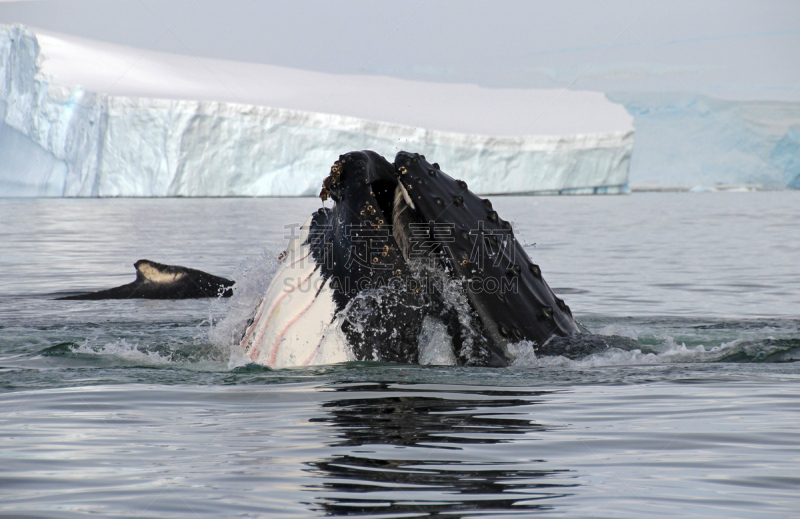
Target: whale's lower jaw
(299, 322)
(294, 323)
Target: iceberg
(695, 142)
(81, 118)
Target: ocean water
(129, 409)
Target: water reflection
(419, 451)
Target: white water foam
(132, 352)
(435, 345)
(122, 349)
(671, 353)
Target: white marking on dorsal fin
(152, 272)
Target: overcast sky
(726, 48)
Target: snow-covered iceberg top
(84, 118)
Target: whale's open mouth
(393, 228)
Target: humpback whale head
(395, 234)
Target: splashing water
(252, 279)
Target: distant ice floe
(697, 143)
(84, 118)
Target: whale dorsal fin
(159, 281)
(151, 272)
